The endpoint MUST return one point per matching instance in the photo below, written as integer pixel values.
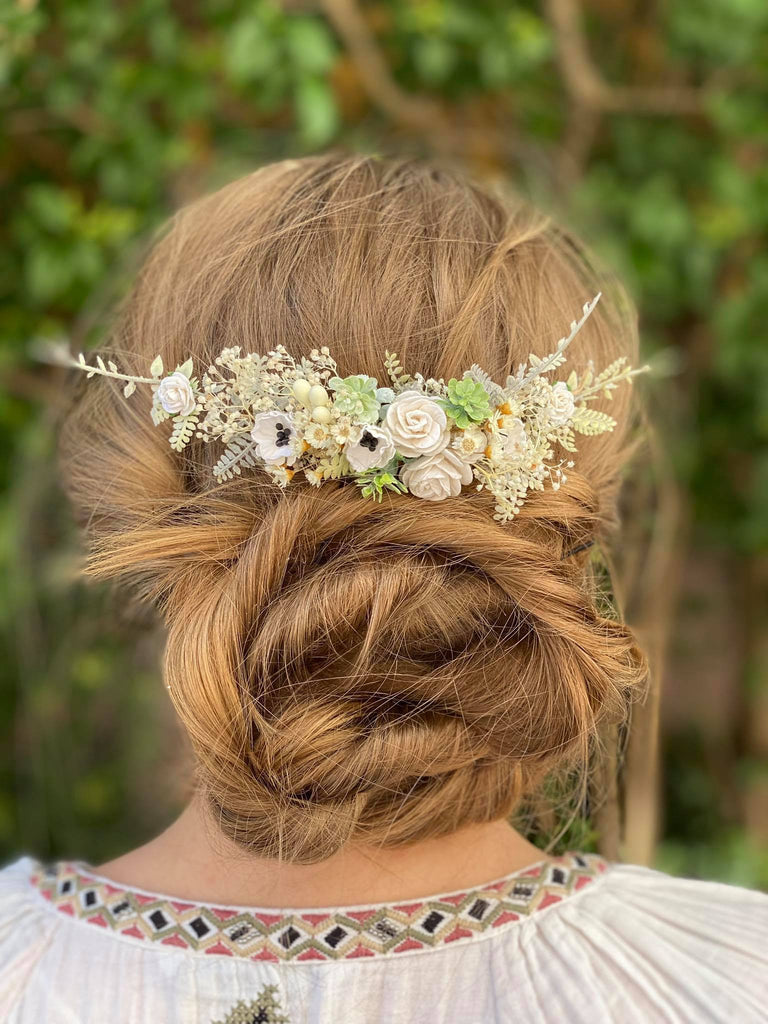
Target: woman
(370, 546)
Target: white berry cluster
(419, 436)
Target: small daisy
(313, 477)
(280, 473)
(345, 431)
(470, 444)
(317, 435)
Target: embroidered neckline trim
(314, 934)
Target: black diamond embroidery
(385, 929)
(289, 936)
(245, 935)
(199, 927)
(158, 919)
(334, 937)
(431, 921)
(477, 909)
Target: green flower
(467, 402)
(356, 397)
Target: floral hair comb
(416, 435)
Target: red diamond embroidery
(266, 955)
(408, 944)
(219, 949)
(311, 954)
(359, 951)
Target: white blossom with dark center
(374, 449)
(272, 432)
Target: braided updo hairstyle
(351, 671)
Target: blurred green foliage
(113, 115)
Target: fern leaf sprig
(605, 383)
(61, 356)
(557, 358)
(478, 374)
(237, 454)
(183, 429)
(395, 371)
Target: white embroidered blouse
(575, 941)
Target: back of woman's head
(350, 671)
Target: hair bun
(375, 657)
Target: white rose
(470, 444)
(373, 450)
(175, 395)
(272, 432)
(437, 476)
(561, 404)
(417, 424)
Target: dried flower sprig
(417, 435)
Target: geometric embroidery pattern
(346, 933)
(264, 1009)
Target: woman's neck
(192, 860)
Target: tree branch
(415, 112)
(586, 86)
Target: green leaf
(49, 275)
(373, 483)
(317, 114)
(156, 369)
(435, 58)
(53, 208)
(250, 51)
(311, 47)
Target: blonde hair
(349, 671)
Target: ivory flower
(373, 450)
(437, 476)
(175, 395)
(272, 432)
(514, 439)
(417, 424)
(561, 404)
